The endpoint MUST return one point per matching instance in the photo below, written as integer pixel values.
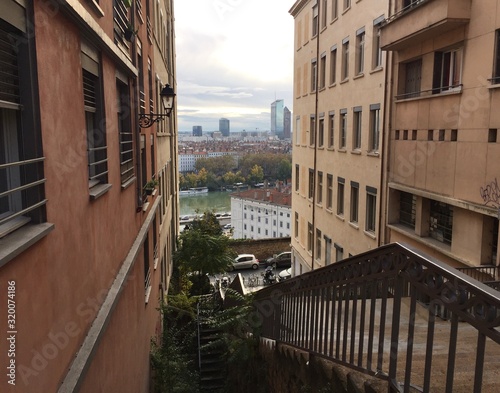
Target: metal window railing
(27, 193)
(377, 313)
(405, 10)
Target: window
(318, 244)
(309, 236)
(125, 135)
(321, 132)
(22, 180)
(412, 78)
(335, 9)
(447, 70)
(339, 252)
(297, 131)
(329, 191)
(147, 268)
(319, 194)
(328, 250)
(492, 135)
(331, 129)
(496, 64)
(312, 130)
(333, 65)
(315, 20)
(314, 74)
(311, 184)
(296, 226)
(347, 4)
(377, 49)
(360, 51)
(322, 70)
(96, 132)
(354, 202)
(407, 208)
(324, 6)
(374, 127)
(356, 129)
(441, 221)
(297, 176)
(120, 21)
(345, 58)
(371, 209)
(343, 128)
(340, 196)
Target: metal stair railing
(378, 313)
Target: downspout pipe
(316, 127)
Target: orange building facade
(82, 271)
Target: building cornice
(298, 6)
(92, 31)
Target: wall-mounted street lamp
(167, 96)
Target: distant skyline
(234, 58)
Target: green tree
(284, 170)
(256, 175)
(203, 249)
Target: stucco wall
(262, 249)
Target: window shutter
(9, 73)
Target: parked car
(281, 260)
(245, 261)
(285, 274)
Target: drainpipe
(316, 126)
(385, 151)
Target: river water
(216, 201)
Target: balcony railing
(377, 313)
(22, 199)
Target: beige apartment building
(339, 84)
(444, 156)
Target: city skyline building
(224, 126)
(277, 118)
(197, 131)
(287, 123)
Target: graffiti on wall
(491, 194)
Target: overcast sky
(234, 58)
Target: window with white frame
(447, 70)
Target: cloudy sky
(234, 58)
